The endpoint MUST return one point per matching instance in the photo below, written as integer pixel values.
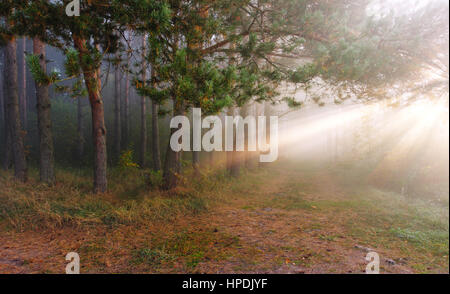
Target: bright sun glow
(403, 127)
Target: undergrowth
(133, 198)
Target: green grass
(380, 217)
(372, 217)
(188, 248)
(152, 257)
(414, 227)
(435, 241)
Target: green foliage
(152, 257)
(72, 70)
(71, 64)
(126, 160)
(303, 74)
(154, 179)
(292, 103)
(41, 77)
(78, 90)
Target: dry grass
(34, 206)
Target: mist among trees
(360, 89)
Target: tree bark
(46, 162)
(12, 98)
(7, 151)
(117, 118)
(2, 103)
(80, 140)
(143, 110)
(126, 105)
(7, 162)
(93, 85)
(23, 85)
(172, 163)
(155, 138)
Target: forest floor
(286, 218)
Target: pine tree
(117, 110)
(155, 131)
(13, 113)
(143, 142)
(46, 158)
(23, 103)
(80, 128)
(126, 105)
(6, 135)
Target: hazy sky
(400, 6)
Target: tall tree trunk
(126, 105)
(80, 140)
(2, 109)
(46, 162)
(93, 85)
(171, 168)
(7, 160)
(155, 138)
(117, 118)
(172, 163)
(203, 13)
(23, 84)
(143, 109)
(12, 98)
(6, 135)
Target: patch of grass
(435, 241)
(391, 221)
(152, 257)
(289, 202)
(38, 206)
(188, 247)
(193, 259)
(91, 248)
(328, 237)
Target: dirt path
(276, 240)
